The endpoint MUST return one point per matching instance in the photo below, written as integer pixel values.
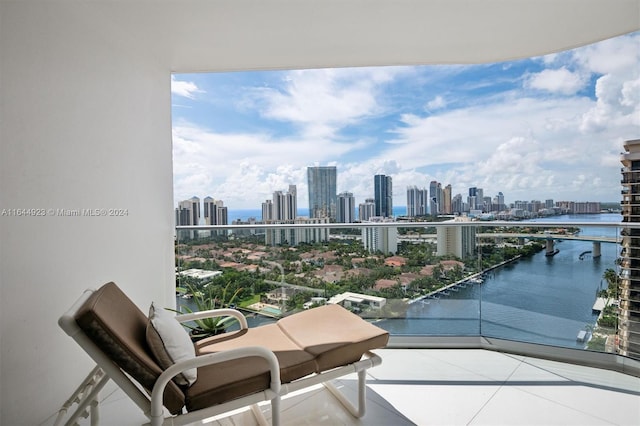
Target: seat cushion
(223, 382)
(116, 325)
(333, 335)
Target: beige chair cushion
(116, 325)
(222, 382)
(308, 342)
(338, 337)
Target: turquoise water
(272, 311)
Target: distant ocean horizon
(245, 214)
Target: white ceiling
(221, 35)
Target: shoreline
(476, 276)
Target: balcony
(480, 358)
(450, 387)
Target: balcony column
(596, 249)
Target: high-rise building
(457, 206)
(500, 206)
(267, 210)
(472, 198)
(417, 201)
(188, 214)
(366, 209)
(486, 204)
(346, 212)
(222, 214)
(285, 204)
(209, 210)
(382, 239)
(383, 195)
(475, 198)
(215, 213)
(296, 236)
(456, 239)
(629, 286)
(434, 206)
(322, 183)
(446, 200)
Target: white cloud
(559, 80)
(242, 169)
(185, 89)
(323, 101)
(436, 103)
(561, 147)
(618, 55)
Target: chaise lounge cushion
(223, 382)
(339, 337)
(116, 325)
(308, 342)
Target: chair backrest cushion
(116, 325)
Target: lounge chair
(232, 370)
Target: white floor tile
(445, 387)
(513, 406)
(437, 405)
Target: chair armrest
(215, 313)
(208, 359)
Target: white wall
(85, 123)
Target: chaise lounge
(176, 382)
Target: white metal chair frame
(87, 395)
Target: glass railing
(555, 282)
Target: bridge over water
(550, 238)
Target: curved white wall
(85, 124)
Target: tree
(611, 277)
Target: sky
(539, 128)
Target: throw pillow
(170, 343)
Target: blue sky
(539, 128)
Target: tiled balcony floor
(450, 387)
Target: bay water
(540, 299)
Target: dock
(599, 304)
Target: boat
(583, 336)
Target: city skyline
(538, 128)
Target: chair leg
(257, 413)
(275, 411)
(86, 397)
(362, 395)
